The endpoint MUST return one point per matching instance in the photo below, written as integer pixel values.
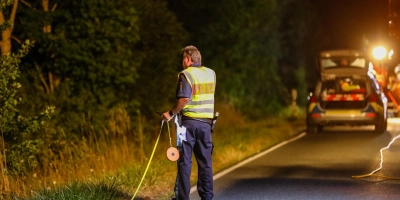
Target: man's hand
(176, 109)
(166, 116)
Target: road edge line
(220, 174)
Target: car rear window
(343, 61)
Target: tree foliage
(87, 52)
(100, 55)
(243, 46)
(259, 49)
(300, 40)
(85, 64)
(11, 123)
(162, 39)
(16, 128)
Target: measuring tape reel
(172, 154)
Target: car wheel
(311, 129)
(385, 125)
(320, 128)
(381, 126)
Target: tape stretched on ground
(380, 166)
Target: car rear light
(313, 99)
(372, 98)
(316, 115)
(370, 114)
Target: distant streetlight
(379, 52)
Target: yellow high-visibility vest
(202, 81)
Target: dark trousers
(199, 142)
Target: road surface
(318, 166)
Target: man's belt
(205, 120)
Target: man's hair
(193, 52)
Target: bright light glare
(379, 52)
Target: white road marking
(220, 174)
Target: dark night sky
(346, 22)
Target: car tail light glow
(317, 115)
(370, 114)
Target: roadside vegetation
(104, 168)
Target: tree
(300, 39)
(99, 55)
(14, 126)
(85, 64)
(7, 24)
(161, 41)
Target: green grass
(81, 190)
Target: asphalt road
(319, 166)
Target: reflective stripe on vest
(202, 82)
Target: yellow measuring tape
(151, 157)
(380, 166)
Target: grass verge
(234, 138)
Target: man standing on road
(195, 106)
